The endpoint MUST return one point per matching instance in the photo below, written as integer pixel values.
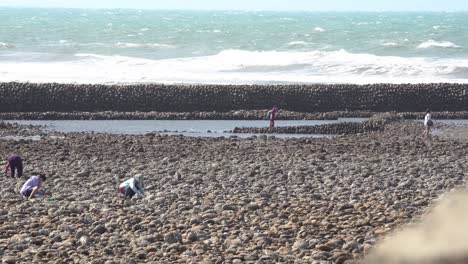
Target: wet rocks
(214, 115)
(251, 114)
(375, 123)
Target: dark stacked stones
(231, 115)
(375, 123)
(31, 97)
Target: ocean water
(231, 47)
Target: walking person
(272, 114)
(32, 187)
(427, 124)
(14, 164)
(132, 186)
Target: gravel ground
(222, 200)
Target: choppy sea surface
(231, 47)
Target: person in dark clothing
(15, 164)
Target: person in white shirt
(427, 124)
(132, 186)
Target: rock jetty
(231, 115)
(375, 123)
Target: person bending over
(32, 187)
(15, 163)
(132, 186)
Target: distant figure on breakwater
(427, 124)
(15, 163)
(272, 114)
(32, 187)
(132, 186)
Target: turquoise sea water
(108, 46)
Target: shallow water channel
(196, 128)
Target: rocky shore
(222, 200)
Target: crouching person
(132, 186)
(32, 187)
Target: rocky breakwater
(375, 123)
(231, 115)
(31, 97)
(223, 200)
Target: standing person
(132, 186)
(15, 163)
(272, 115)
(32, 186)
(427, 124)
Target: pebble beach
(222, 200)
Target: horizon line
(243, 10)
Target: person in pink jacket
(272, 115)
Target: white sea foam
(319, 29)
(142, 45)
(390, 44)
(297, 43)
(438, 44)
(144, 29)
(205, 31)
(4, 45)
(241, 67)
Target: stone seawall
(231, 115)
(31, 97)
